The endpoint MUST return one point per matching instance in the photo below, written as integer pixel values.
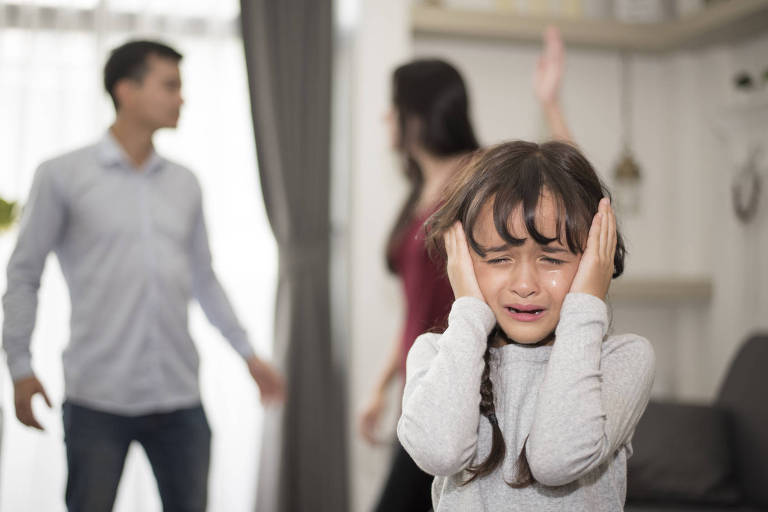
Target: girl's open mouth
(525, 314)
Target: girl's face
(525, 286)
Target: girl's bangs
(525, 191)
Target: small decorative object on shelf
(8, 213)
(686, 8)
(743, 81)
(643, 11)
(597, 9)
(745, 87)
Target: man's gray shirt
(133, 248)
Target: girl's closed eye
(552, 261)
(498, 260)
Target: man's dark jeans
(177, 444)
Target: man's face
(156, 100)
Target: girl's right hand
(461, 272)
(370, 417)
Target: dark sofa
(707, 458)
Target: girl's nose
(523, 280)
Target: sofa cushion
(682, 454)
(664, 507)
(742, 397)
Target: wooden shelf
(731, 20)
(665, 289)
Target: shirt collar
(112, 154)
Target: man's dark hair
(130, 61)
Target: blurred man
(128, 229)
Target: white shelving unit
(661, 289)
(728, 20)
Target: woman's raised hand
(549, 68)
(596, 267)
(461, 272)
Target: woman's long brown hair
(432, 107)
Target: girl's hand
(596, 267)
(549, 69)
(461, 272)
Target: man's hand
(268, 379)
(23, 391)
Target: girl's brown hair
(515, 175)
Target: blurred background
(52, 100)
(668, 100)
(681, 84)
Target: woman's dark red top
(428, 293)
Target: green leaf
(9, 211)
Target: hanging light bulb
(626, 174)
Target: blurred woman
(431, 130)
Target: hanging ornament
(626, 174)
(745, 189)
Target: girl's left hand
(596, 267)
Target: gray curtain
(288, 51)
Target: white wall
(738, 252)
(376, 189)
(685, 228)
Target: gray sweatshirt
(577, 402)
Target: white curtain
(51, 101)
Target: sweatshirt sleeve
(441, 400)
(592, 395)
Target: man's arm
(42, 223)
(217, 308)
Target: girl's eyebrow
(500, 248)
(550, 249)
(505, 247)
